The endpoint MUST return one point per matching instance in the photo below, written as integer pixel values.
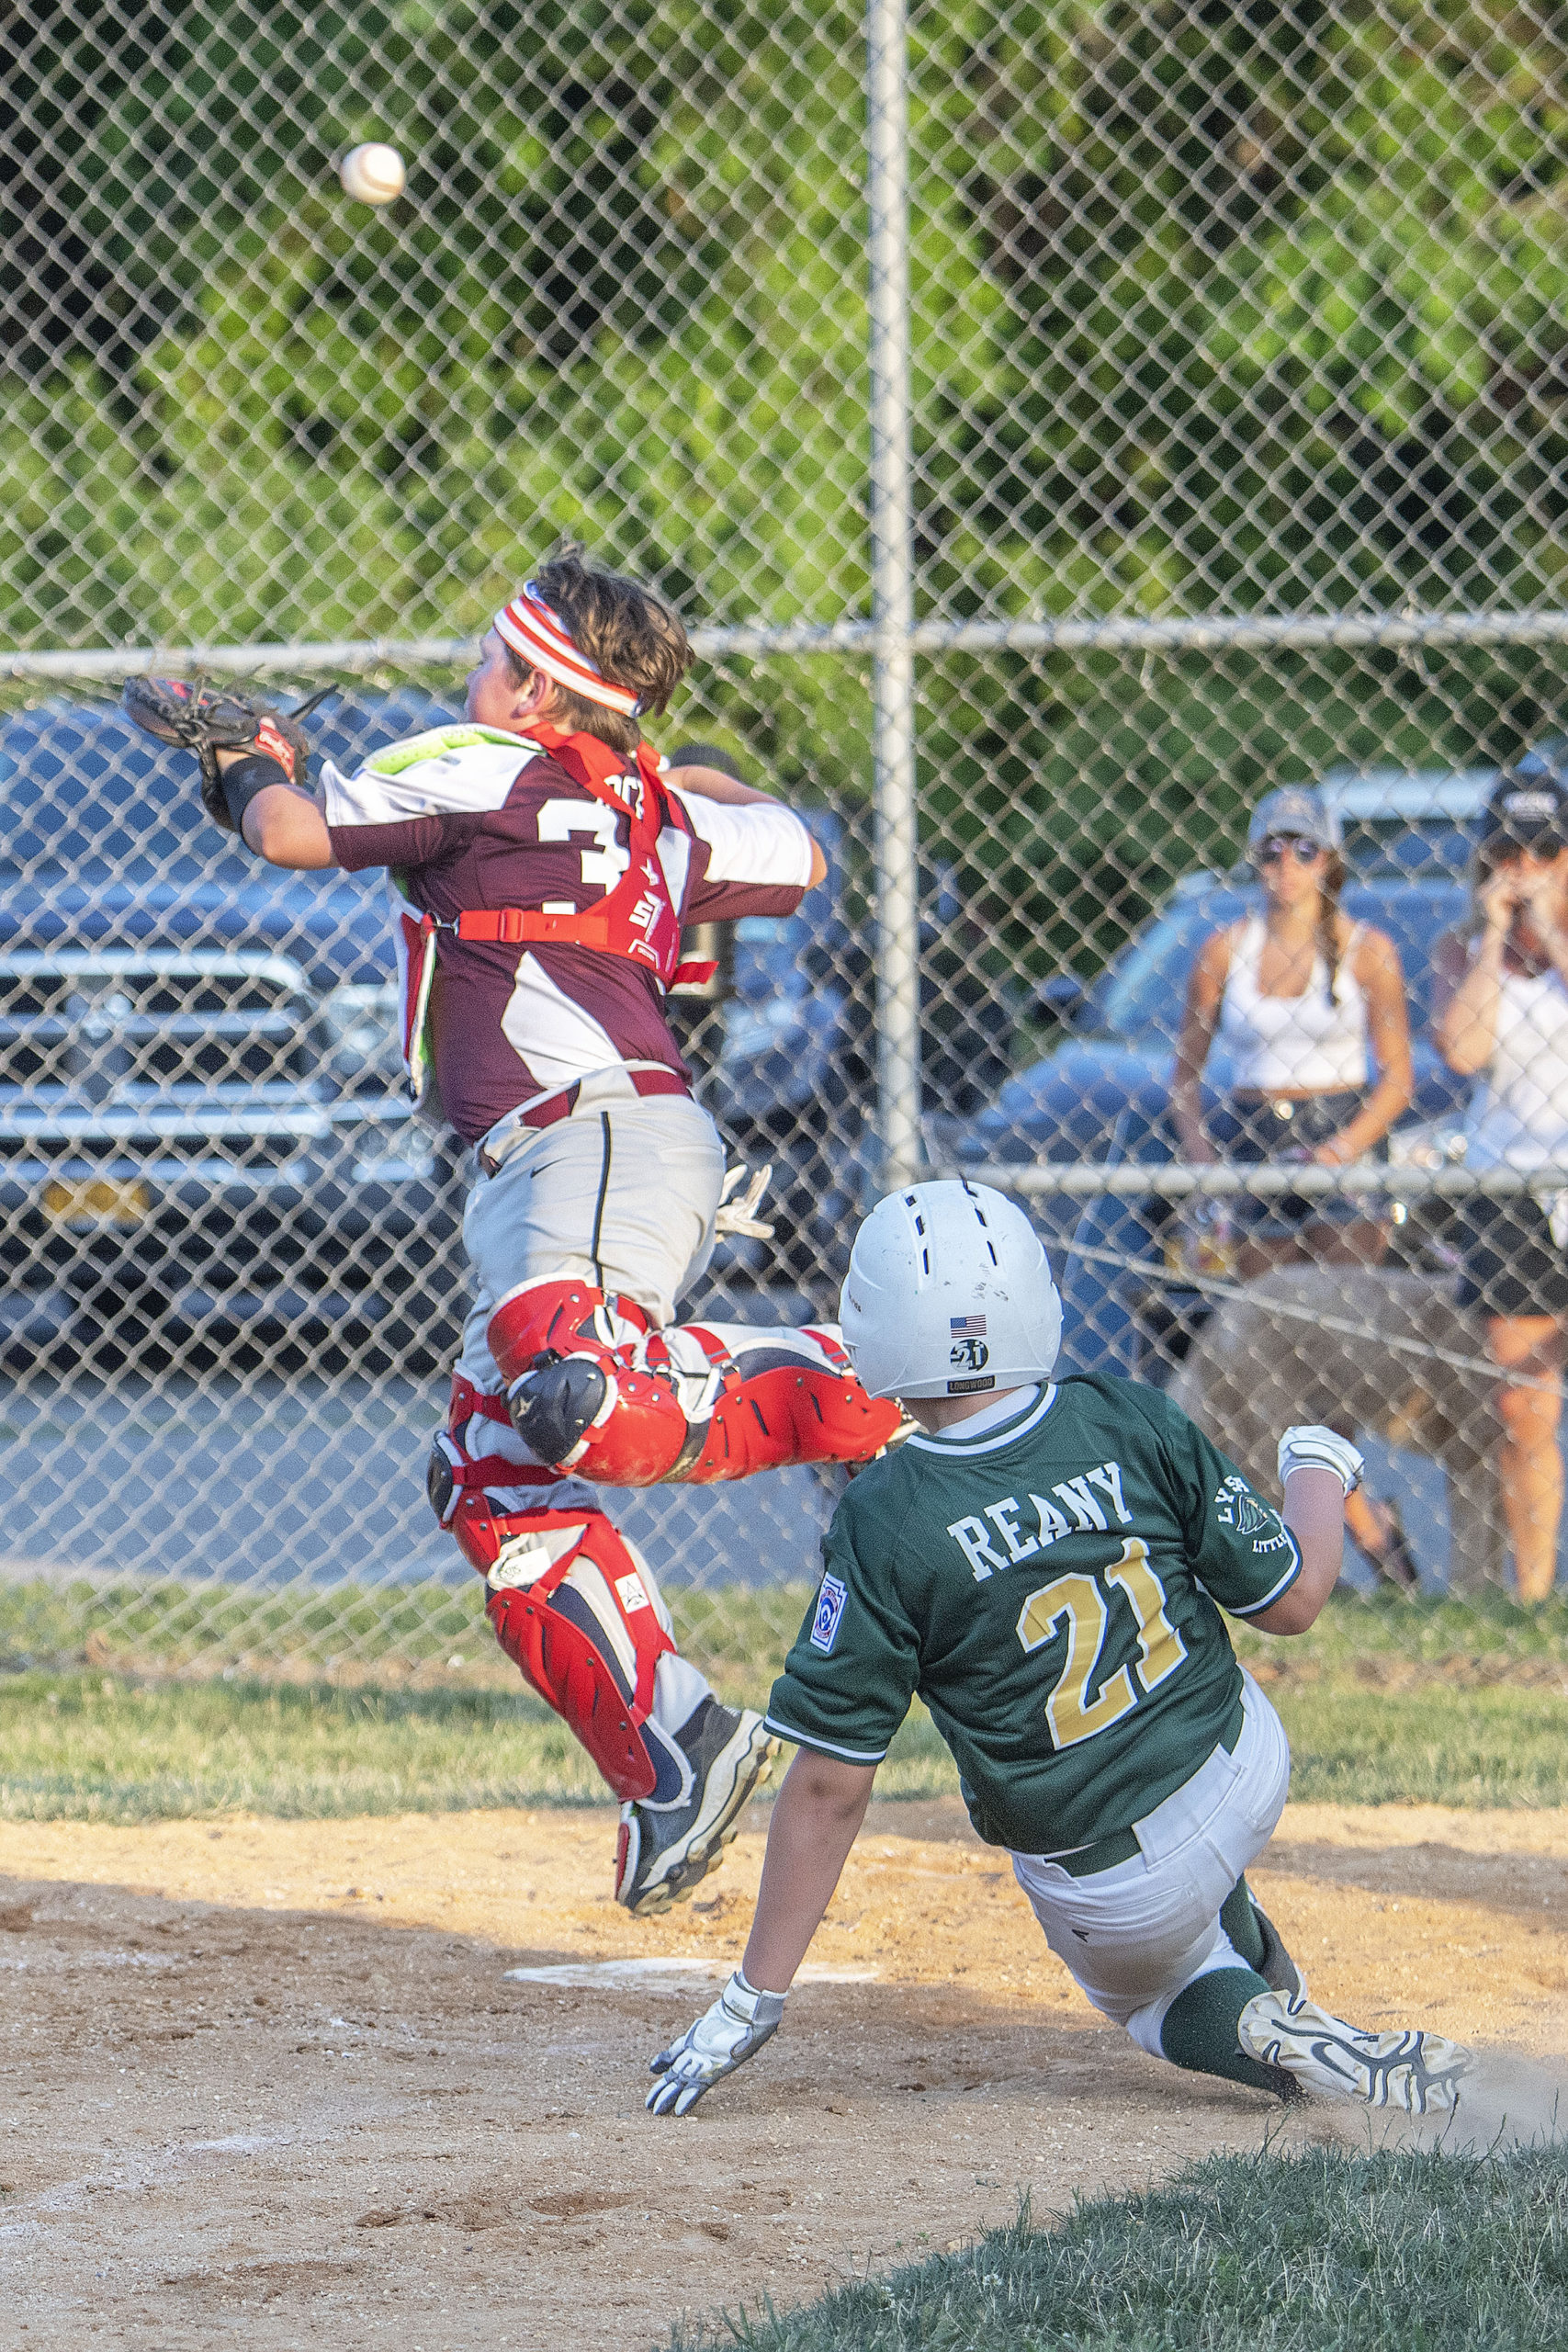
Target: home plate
(648, 1973)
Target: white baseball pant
(1136, 1935)
(622, 1194)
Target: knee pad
(577, 1610)
(562, 1314)
(576, 1393)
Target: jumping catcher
(543, 862)
(1045, 1567)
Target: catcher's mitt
(206, 721)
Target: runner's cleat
(663, 1852)
(1418, 2072)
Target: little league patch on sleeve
(1237, 1506)
(831, 1603)
(633, 1592)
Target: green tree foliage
(1215, 306)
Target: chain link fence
(1180, 414)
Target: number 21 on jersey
(1075, 1708)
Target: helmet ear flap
(949, 1294)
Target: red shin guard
(567, 1596)
(458, 1478)
(592, 1390)
(583, 1632)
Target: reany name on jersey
(1235, 1506)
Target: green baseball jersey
(1049, 1588)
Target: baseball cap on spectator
(1294, 812)
(1527, 808)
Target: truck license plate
(98, 1200)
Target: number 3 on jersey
(1071, 1713)
(559, 819)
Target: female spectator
(1500, 1007)
(1304, 1001)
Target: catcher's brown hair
(626, 631)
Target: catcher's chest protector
(639, 918)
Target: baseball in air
(372, 174)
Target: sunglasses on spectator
(1544, 849)
(1280, 845)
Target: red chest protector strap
(512, 926)
(636, 920)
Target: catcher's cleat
(1418, 2072)
(1277, 1969)
(663, 1852)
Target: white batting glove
(724, 2037)
(1310, 1446)
(740, 1216)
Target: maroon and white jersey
(468, 819)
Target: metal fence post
(892, 593)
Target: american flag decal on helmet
(968, 1327)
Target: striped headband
(532, 630)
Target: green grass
(1501, 1747)
(1390, 1642)
(1313, 2253)
(100, 1748)
(388, 1632)
(1383, 1702)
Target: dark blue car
(203, 1123)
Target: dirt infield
(269, 2081)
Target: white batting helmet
(948, 1293)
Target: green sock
(1198, 2031)
(1239, 1921)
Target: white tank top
(1519, 1118)
(1311, 1043)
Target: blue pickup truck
(203, 1131)
(205, 1140)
